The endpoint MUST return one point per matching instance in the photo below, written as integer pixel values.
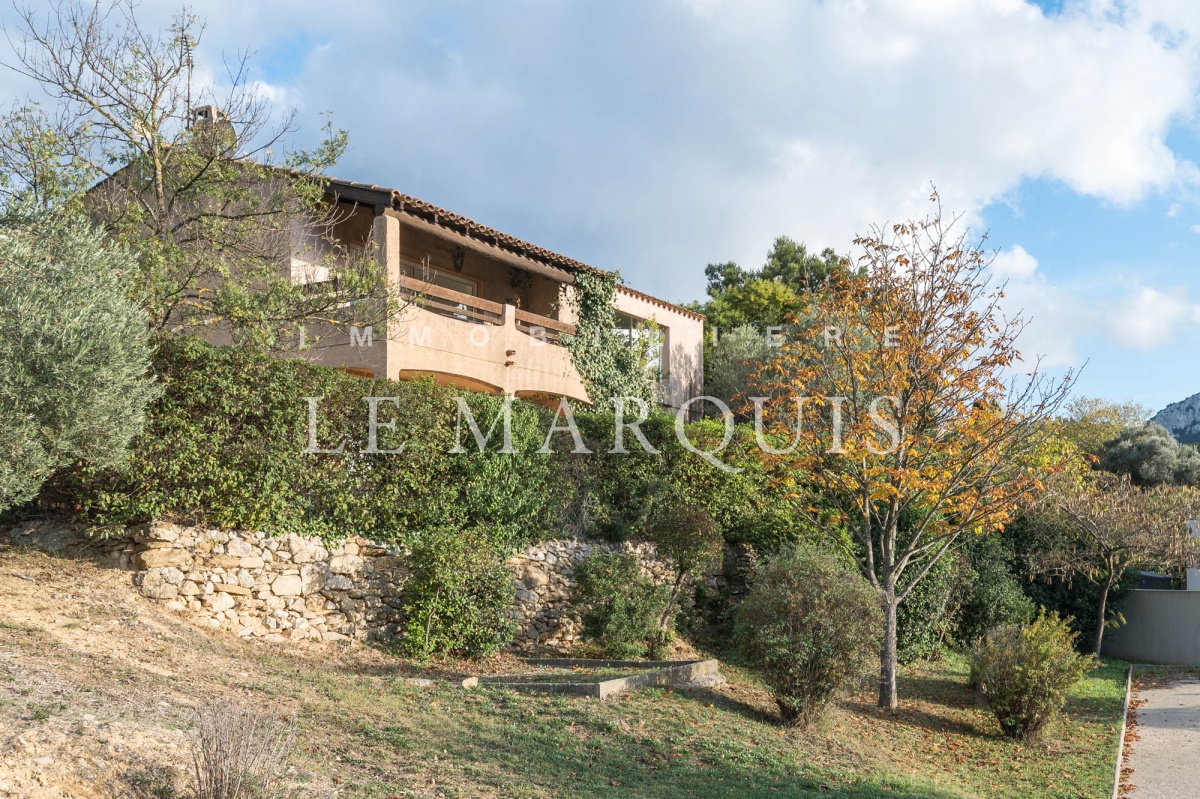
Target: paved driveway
(1166, 759)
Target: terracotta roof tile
(407, 204)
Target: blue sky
(656, 136)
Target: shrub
(225, 446)
(993, 598)
(238, 752)
(1024, 672)
(76, 355)
(928, 615)
(735, 358)
(809, 625)
(620, 607)
(690, 540)
(992, 604)
(615, 495)
(459, 600)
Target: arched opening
(457, 381)
(546, 399)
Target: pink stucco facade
(485, 311)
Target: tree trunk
(429, 619)
(664, 622)
(1102, 611)
(887, 651)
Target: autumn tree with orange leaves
(900, 400)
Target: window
(446, 280)
(424, 273)
(636, 331)
(626, 325)
(453, 282)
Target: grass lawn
(701, 742)
(97, 686)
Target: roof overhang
(470, 234)
(457, 229)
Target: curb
(677, 673)
(1121, 740)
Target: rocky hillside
(1182, 419)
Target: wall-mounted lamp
(457, 258)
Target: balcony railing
(469, 308)
(455, 304)
(551, 330)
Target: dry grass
(99, 688)
(239, 752)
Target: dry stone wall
(285, 588)
(293, 587)
(542, 580)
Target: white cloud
(655, 137)
(1055, 318)
(1148, 318)
(1129, 315)
(1014, 264)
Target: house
(486, 311)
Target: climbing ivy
(610, 365)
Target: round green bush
(1025, 671)
(809, 625)
(620, 607)
(459, 600)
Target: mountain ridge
(1182, 419)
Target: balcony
(480, 344)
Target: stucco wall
(538, 370)
(1160, 627)
(683, 344)
(494, 358)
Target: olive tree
(75, 350)
(197, 179)
(1150, 456)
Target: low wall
(543, 585)
(296, 588)
(285, 588)
(1160, 627)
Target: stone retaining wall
(293, 587)
(296, 588)
(285, 588)
(543, 584)
(542, 579)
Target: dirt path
(1166, 756)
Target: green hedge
(614, 495)
(226, 444)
